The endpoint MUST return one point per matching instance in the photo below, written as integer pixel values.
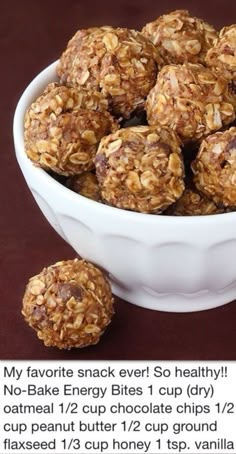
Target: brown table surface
(32, 35)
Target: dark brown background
(33, 33)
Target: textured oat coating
(119, 62)
(193, 203)
(222, 57)
(191, 100)
(140, 168)
(180, 38)
(68, 304)
(63, 128)
(85, 184)
(215, 168)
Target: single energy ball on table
(193, 203)
(180, 37)
(191, 100)
(215, 168)
(119, 62)
(222, 57)
(68, 304)
(63, 127)
(140, 168)
(85, 184)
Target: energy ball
(68, 304)
(140, 168)
(191, 100)
(85, 184)
(222, 57)
(63, 128)
(193, 203)
(119, 62)
(215, 168)
(180, 38)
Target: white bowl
(175, 264)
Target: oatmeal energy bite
(221, 58)
(119, 62)
(191, 100)
(180, 38)
(193, 203)
(215, 168)
(63, 128)
(85, 184)
(140, 168)
(68, 304)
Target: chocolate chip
(67, 291)
(39, 313)
(223, 163)
(232, 87)
(231, 144)
(165, 146)
(101, 165)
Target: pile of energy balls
(141, 121)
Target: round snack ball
(222, 57)
(63, 127)
(215, 168)
(191, 100)
(68, 304)
(140, 168)
(58, 99)
(85, 184)
(180, 37)
(119, 62)
(193, 203)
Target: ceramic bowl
(176, 264)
